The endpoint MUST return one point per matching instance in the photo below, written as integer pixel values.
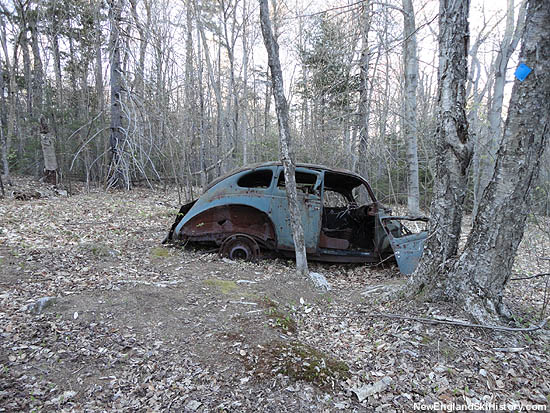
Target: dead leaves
(137, 326)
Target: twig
(214, 165)
(509, 349)
(531, 276)
(545, 299)
(460, 323)
(242, 302)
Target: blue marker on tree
(522, 71)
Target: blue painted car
(246, 212)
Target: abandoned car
(246, 211)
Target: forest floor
(137, 326)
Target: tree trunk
(24, 117)
(364, 107)
(410, 124)
(281, 107)
(267, 106)
(119, 176)
(202, 112)
(4, 145)
(452, 149)
(2, 184)
(484, 268)
(229, 40)
(3, 122)
(244, 116)
(12, 101)
(54, 39)
(50, 173)
(216, 85)
(478, 131)
(190, 97)
(100, 90)
(508, 46)
(47, 142)
(26, 65)
(143, 31)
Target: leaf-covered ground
(137, 326)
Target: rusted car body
(246, 211)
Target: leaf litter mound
(126, 324)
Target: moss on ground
(282, 320)
(278, 318)
(225, 286)
(300, 361)
(97, 249)
(160, 252)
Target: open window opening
(345, 224)
(305, 182)
(256, 179)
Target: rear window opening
(256, 179)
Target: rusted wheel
(240, 247)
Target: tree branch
(459, 323)
(531, 276)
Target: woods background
(139, 91)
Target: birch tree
(244, 117)
(363, 110)
(410, 66)
(281, 107)
(452, 145)
(507, 47)
(476, 278)
(482, 271)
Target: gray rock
(368, 390)
(410, 353)
(40, 305)
(193, 405)
(66, 396)
(319, 281)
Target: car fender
(218, 222)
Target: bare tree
(3, 120)
(47, 141)
(363, 118)
(477, 277)
(508, 45)
(281, 108)
(453, 151)
(244, 117)
(410, 65)
(221, 118)
(482, 271)
(119, 176)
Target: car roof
(251, 167)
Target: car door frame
(310, 206)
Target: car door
(308, 185)
(407, 246)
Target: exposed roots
(432, 283)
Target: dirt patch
(137, 326)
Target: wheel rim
(240, 252)
(240, 247)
